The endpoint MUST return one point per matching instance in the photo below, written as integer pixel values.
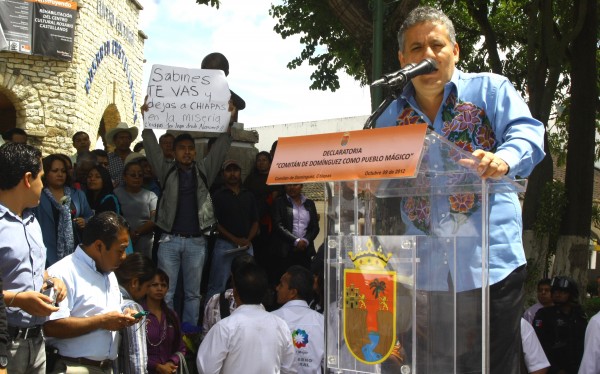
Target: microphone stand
(393, 95)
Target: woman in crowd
(150, 180)
(163, 332)
(139, 207)
(62, 212)
(295, 228)
(99, 191)
(134, 276)
(69, 165)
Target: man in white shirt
(590, 362)
(544, 296)
(307, 326)
(534, 356)
(85, 328)
(251, 340)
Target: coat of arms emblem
(369, 305)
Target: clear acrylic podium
(406, 277)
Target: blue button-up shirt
(22, 260)
(478, 111)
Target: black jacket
(282, 216)
(562, 337)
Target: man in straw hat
(121, 138)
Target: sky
(181, 32)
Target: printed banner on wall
(16, 23)
(39, 27)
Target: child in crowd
(164, 336)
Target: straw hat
(133, 156)
(122, 126)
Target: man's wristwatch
(3, 362)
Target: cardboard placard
(187, 99)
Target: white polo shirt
(307, 328)
(250, 340)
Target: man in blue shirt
(482, 114)
(22, 259)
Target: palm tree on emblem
(377, 287)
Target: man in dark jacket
(561, 327)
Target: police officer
(561, 327)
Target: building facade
(52, 99)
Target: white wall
(268, 134)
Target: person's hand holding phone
(141, 314)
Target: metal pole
(376, 92)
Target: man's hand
(144, 108)
(490, 166)
(242, 242)
(115, 321)
(166, 368)
(302, 244)
(233, 109)
(33, 302)
(60, 288)
(80, 222)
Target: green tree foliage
(337, 35)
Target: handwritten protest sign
(187, 99)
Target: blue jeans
(220, 266)
(189, 254)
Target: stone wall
(54, 99)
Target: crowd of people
(97, 247)
(116, 237)
(92, 237)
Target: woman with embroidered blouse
(163, 333)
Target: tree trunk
(579, 179)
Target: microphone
(385, 78)
(406, 73)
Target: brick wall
(50, 96)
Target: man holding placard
(185, 211)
